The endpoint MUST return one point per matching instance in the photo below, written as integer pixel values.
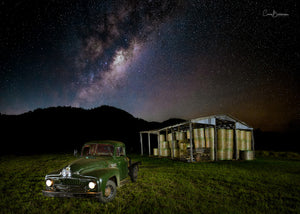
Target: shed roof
(211, 120)
(207, 120)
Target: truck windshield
(98, 150)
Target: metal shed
(198, 138)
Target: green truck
(101, 168)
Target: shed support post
(235, 143)
(158, 144)
(215, 143)
(149, 142)
(172, 144)
(141, 140)
(252, 139)
(191, 141)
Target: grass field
(266, 185)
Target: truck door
(122, 162)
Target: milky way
(112, 42)
(154, 59)
(105, 81)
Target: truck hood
(85, 164)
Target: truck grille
(72, 185)
(76, 182)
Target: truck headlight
(49, 183)
(92, 185)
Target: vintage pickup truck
(101, 168)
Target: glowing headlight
(49, 183)
(92, 185)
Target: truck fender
(134, 164)
(103, 175)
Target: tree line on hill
(63, 129)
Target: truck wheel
(110, 192)
(134, 173)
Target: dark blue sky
(154, 59)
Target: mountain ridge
(65, 128)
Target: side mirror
(76, 153)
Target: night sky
(156, 59)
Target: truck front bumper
(50, 193)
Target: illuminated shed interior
(216, 137)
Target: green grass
(265, 185)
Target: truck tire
(134, 173)
(110, 192)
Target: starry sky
(156, 59)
